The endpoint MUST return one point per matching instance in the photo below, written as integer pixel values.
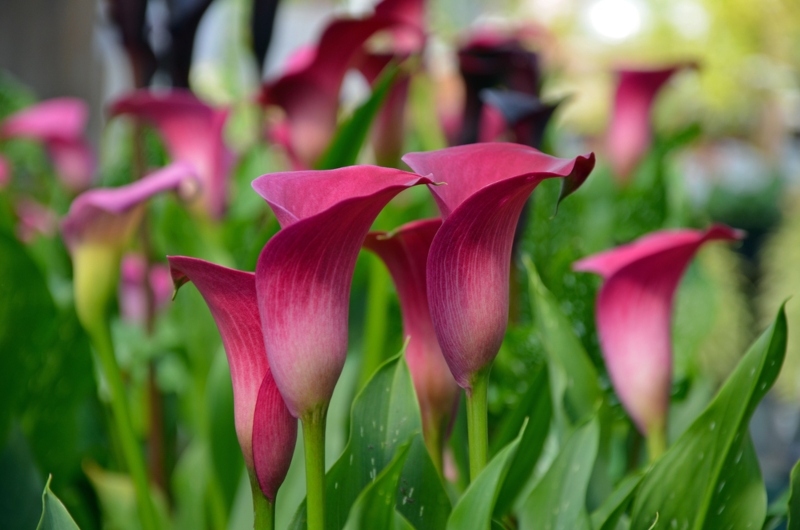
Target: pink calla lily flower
(59, 124)
(405, 253)
(108, 216)
(470, 257)
(193, 132)
(266, 430)
(308, 91)
(634, 313)
(304, 272)
(630, 134)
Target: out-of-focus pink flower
(308, 91)
(5, 172)
(405, 253)
(470, 257)
(34, 218)
(108, 216)
(634, 313)
(140, 281)
(59, 124)
(193, 132)
(630, 134)
(304, 272)
(520, 116)
(264, 427)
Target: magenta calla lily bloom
(107, 216)
(193, 132)
(405, 253)
(59, 124)
(630, 134)
(308, 91)
(470, 257)
(634, 313)
(266, 431)
(304, 272)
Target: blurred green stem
(100, 335)
(477, 422)
(656, 441)
(263, 510)
(314, 444)
(375, 320)
(434, 440)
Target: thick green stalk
(101, 340)
(263, 509)
(478, 422)
(314, 442)
(656, 441)
(434, 441)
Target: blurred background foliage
(726, 148)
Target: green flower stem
(263, 509)
(656, 441)
(477, 422)
(434, 441)
(314, 442)
(100, 336)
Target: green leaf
(609, 513)
(474, 509)
(537, 407)
(710, 477)
(559, 499)
(573, 378)
(27, 313)
(374, 507)
(343, 150)
(421, 498)
(54, 515)
(384, 416)
(117, 497)
(794, 500)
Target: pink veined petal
(193, 132)
(274, 437)
(405, 253)
(470, 257)
(107, 215)
(630, 133)
(59, 124)
(304, 272)
(264, 427)
(634, 312)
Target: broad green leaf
(794, 500)
(117, 497)
(384, 416)
(559, 498)
(343, 150)
(54, 515)
(26, 313)
(21, 483)
(374, 507)
(609, 513)
(573, 378)
(421, 497)
(537, 408)
(474, 509)
(401, 523)
(710, 477)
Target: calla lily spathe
(470, 257)
(630, 133)
(60, 125)
(266, 430)
(304, 272)
(634, 314)
(193, 133)
(405, 253)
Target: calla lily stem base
(656, 441)
(477, 422)
(263, 510)
(314, 444)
